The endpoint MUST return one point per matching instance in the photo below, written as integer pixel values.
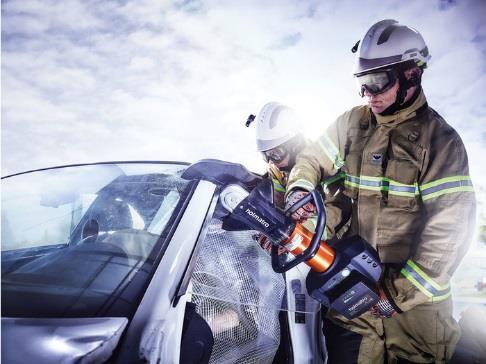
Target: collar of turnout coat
(403, 114)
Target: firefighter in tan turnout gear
(279, 139)
(406, 171)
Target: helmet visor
(377, 82)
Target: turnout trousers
(425, 334)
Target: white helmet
(387, 43)
(276, 124)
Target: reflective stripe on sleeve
(434, 291)
(331, 151)
(445, 186)
(277, 186)
(337, 177)
(301, 183)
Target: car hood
(69, 340)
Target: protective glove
(266, 244)
(305, 211)
(383, 309)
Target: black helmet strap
(403, 85)
(293, 146)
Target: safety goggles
(377, 82)
(275, 155)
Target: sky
(88, 81)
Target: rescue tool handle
(280, 266)
(302, 202)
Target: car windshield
(82, 241)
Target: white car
(129, 263)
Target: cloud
(87, 81)
(289, 41)
(31, 17)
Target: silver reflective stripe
(330, 180)
(301, 183)
(445, 186)
(331, 151)
(382, 184)
(424, 283)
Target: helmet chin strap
(290, 165)
(401, 93)
(293, 149)
(403, 86)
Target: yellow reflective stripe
(424, 275)
(370, 178)
(446, 185)
(395, 183)
(444, 180)
(332, 179)
(370, 188)
(277, 186)
(422, 289)
(448, 190)
(352, 181)
(402, 194)
(416, 284)
(331, 151)
(441, 298)
(397, 188)
(301, 183)
(424, 283)
(427, 191)
(382, 184)
(335, 149)
(351, 184)
(324, 148)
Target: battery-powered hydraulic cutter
(343, 277)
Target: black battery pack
(350, 285)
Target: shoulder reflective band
(446, 185)
(434, 291)
(382, 184)
(331, 151)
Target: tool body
(343, 277)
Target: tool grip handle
(280, 266)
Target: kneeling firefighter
(406, 171)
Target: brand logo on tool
(257, 218)
(359, 303)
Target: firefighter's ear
(414, 76)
